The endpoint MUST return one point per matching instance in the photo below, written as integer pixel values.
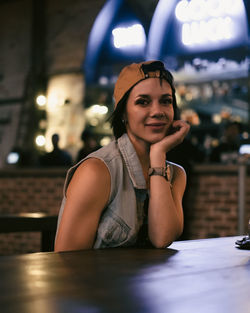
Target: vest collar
(132, 162)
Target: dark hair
(117, 117)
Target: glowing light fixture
(245, 135)
(208, 20)
(13, 157)
(99, 109)
(132, 36)
(216, 118)
(245, 149)
(40, 140)
(105, 141)
(96, 113)
(103, 80)
(41, 100)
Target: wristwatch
(160, 171)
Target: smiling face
(149, 111)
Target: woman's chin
(149, 138)
(156, 138)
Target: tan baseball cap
(134, 73)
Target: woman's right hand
(158, 150)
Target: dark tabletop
(203, 276)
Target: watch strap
(160, 171)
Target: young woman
(126, 193)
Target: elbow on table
(162, 246)
(162, 243)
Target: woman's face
(149, 111)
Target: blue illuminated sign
(210, 22)
(196, 26)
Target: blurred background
(59, 61)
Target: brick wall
(211, 209)
(28, 190)
(31, 190)
(212, 202)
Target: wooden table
(31, 222)
(203, 276)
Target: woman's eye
(142, 102)
(167, 101)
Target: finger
(180, 126)
(179, 123)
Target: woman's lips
(156, 126)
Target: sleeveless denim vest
(122, 218)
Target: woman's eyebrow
(143, 96)
(167, 95)
(148, 96)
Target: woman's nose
(156, 110)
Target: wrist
(157, 159)
(160, 171)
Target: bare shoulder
(91, 174)
(94, 167)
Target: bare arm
(165, 213)
(87, 196)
